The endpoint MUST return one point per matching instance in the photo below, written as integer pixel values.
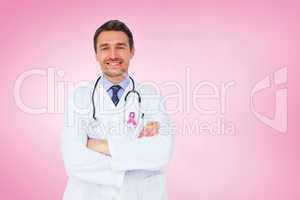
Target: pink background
(219, 41)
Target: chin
(115, 73)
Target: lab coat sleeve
(147, 153)
(81, 162)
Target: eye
(104, 48)
(120, 47)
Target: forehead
(112, 37)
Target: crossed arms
(106, 161)
(101, 145)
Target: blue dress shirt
(107, 86)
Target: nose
(112, 53)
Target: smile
(114, 63)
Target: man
(115, 163)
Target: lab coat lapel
(121, 103)
(103, 102)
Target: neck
(114, 80)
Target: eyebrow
(117, 44)
(103, 45)
(121, 44)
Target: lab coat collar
(107, 84)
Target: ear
(96, 57)
(132, 51)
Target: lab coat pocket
(154, 188)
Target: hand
(98, 145)
(151, 129)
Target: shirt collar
(107, 84)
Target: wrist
(103, 147)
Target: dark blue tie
(115, 90)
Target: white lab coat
(136, 168)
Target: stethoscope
(132, 91)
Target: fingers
(155, 128)
(151, 129)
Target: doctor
(125, 156)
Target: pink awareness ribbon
(131, 118)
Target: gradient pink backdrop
(219, 41)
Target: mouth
(113, 64)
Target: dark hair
(114, 25)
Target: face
(114, 54)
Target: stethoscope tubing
(129, 92)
